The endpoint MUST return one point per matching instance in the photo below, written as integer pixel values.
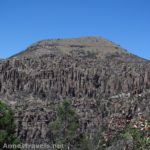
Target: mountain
(79, 47)
(104, 82)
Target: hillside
(103, 81)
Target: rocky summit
(107, 86)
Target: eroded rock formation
(100, 78)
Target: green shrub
(140, 139)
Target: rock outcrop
(100, 78)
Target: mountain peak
(95, 45)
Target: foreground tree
(7, 126)
(66, 124)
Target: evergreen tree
(7, 126)
(65, 126)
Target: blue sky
(125, 22)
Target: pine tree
(7, 126)
(66, 124)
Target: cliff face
(100, 78)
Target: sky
(24, 22)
